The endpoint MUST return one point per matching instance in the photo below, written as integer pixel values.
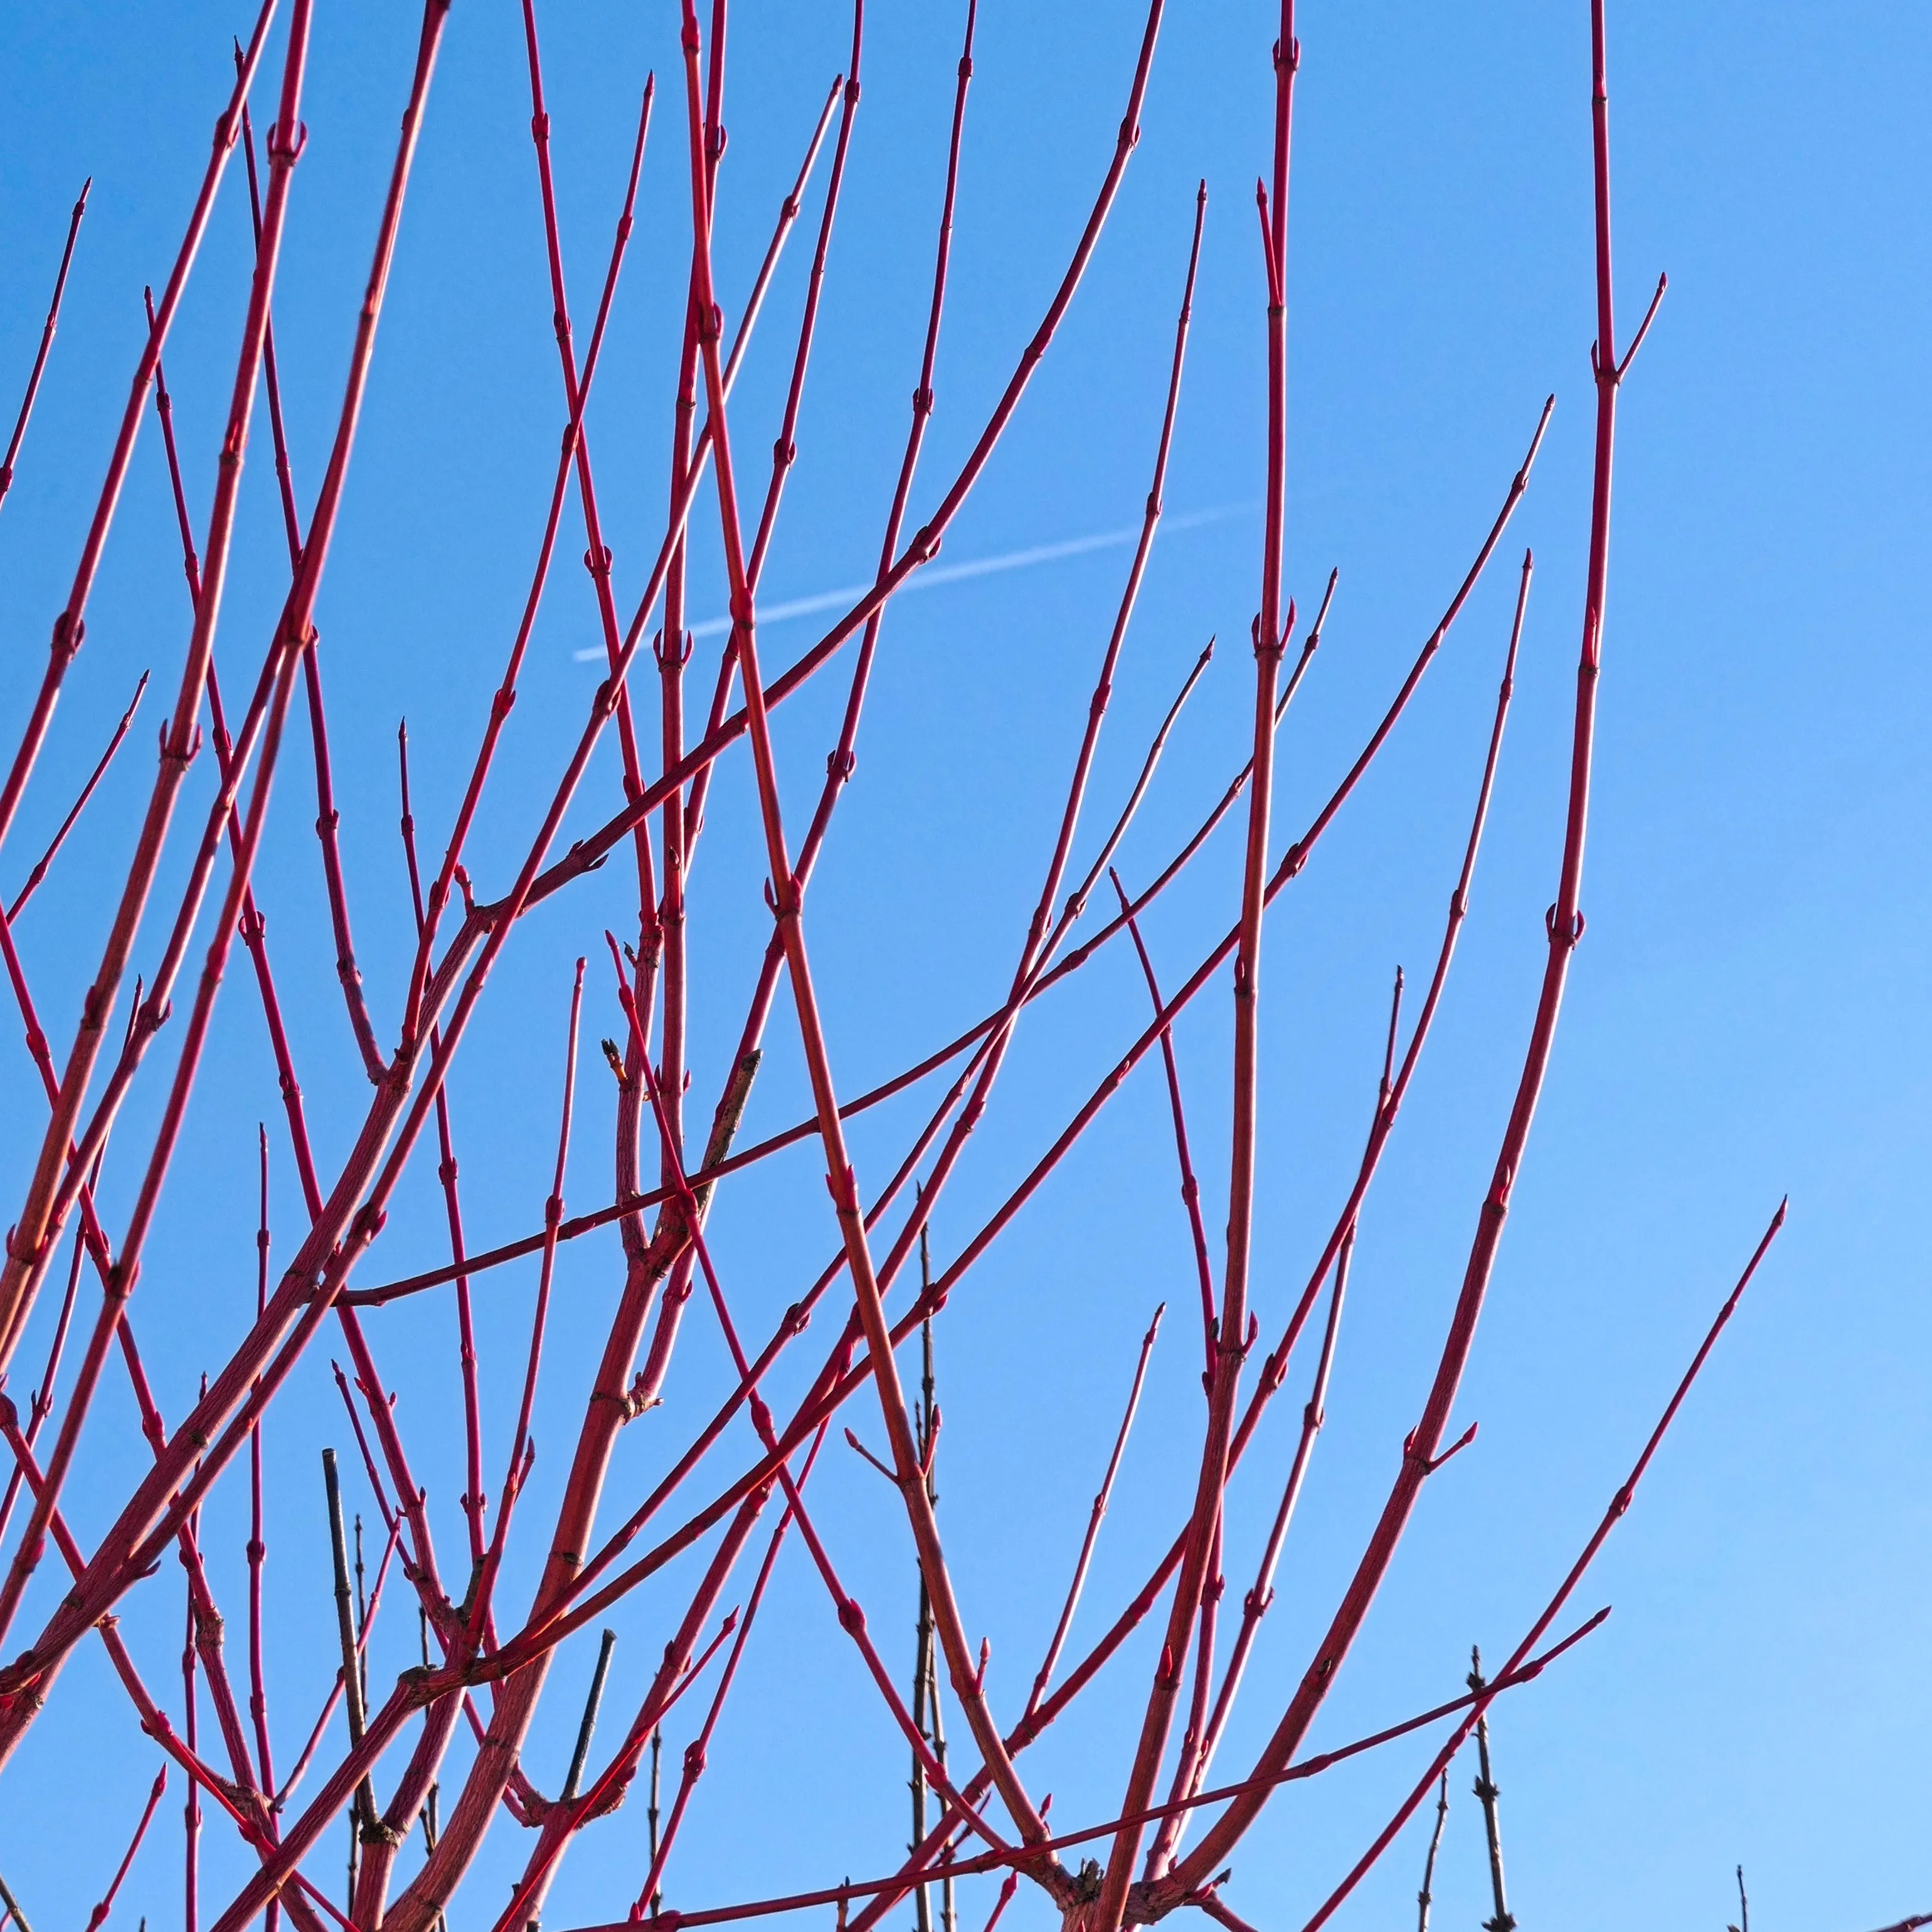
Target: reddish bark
(489, 1669)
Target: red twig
(205, 1625)
(33, 879)
(40, 1406)
(271, 374)
(1393, 1088)
(292, 630)
(1564, 924)
(1209, 1902)
(683, 816)
(629, 1205)
(505, 696)
(517, 1467)
(453, 962)
(1230, 1339)
(1008, 1885)
(1036, 949)
(495, 920)
(328, 819)
(47, 329)
(41, 1217)
(35, 1228)
(1287, 869)
(253, 927)
(545, 1631)
(70, 625)
(382, 1509)
(98, 1916)
(1275, 1370)
(258, 1546)
(851, 1888)
(1076, 902)
(1045, 1675)
(1480, 1698)
(924, 544)
(239, 1801)
(696, 1756)
(851, 1615)
(1290, 865)
(1190, 1188)
(191, 1813)
(474, 1500)
(912, 1230)
(597, 556)
(785, 887)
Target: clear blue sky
(1746, 1016)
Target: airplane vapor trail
(936, 575)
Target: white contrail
(933, 575)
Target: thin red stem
(70, 625)
(517, 1467)
(47, 329)
(1394, 1087)
(1095, 1515)
(543, 1632)
(695, 1754)
(1481, 1700)
(852, 1888)
(292, 630)
(785, 887)
(1564, 927)
(473, 1499)
(98, 1916)
(258, 1545)
(37, 1226)
(34, 878)
(505, 696)
(1190, 1188)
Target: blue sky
(1745, 1016)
